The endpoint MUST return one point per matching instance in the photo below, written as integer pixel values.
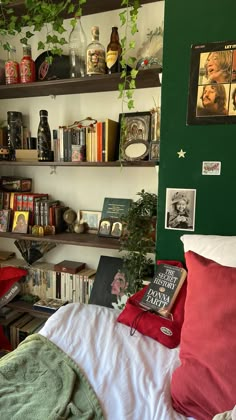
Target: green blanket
(38, 381)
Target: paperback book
(163, 289)
(49, 305)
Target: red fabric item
(8, 276)
(205, 383)
(164, 330)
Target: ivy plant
(36, 16)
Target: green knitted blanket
(38, 381)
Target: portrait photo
(104, 227)
(211, 84)
(116, 229)
(180, 209)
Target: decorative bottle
(12, 68)
(27, 66)
(77, 50)
(44, 138)
(113, 52)
(95, 54)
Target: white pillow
(221, 249)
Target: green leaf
(122, 18)
(41, 45)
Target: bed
(129, 377)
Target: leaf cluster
(138, 239)
(37, 14)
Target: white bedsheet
(130, 374)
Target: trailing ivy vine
(38, 15)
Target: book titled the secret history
(163, 289)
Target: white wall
(85, 188)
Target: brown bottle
(113, 52)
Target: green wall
(190, 22)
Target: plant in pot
(138, 240)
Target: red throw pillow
(8, 276)
(205, 383)
(164, 330)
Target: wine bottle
(77, 50)
(44, 138)
(27, 66)
(95, 54)
(113, 52)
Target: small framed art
(135, 134)
(105, 227)
(92, 219)
(20, 222)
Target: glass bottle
(77, 50)
(12, 68)
(113, 52)
(27, 66)
(44, 138)
(95, 54)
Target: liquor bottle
(95, 54)
(12, 68)
(113, 52)
(27, 66)
(44, 138)
(77, 50)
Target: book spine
(103, 142)
(69, 144)
(58, 285)
(6, 200)
(63, 286)
(25, 206)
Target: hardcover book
(163, 289)
(49, 305)
(115, 208)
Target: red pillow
(166, 331)
(205, 383)
(8, 276)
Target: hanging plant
(37, 15)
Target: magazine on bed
(163, 289)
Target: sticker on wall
(212, 83)
(180, 209)
(181, 153)
(211, 168)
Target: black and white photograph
(180, 209)
(212, 83)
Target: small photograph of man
(212, 100)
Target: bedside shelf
(21, 306)
(80, 239)
(88, 84)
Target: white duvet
(130, 374)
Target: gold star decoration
(181, 153)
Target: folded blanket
(39, 381)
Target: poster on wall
(212, 84)
(180, 209)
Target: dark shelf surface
(134, 164)
(89, 8)
(88, 84)
(81, 239)
(21, 306)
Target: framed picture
(180, 209)
(105, 227)
(135, 134)
(212, 84)
(5, 216)
(20, 222)
(116, 229)
(154, 152)
(92, 219)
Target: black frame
(197, 84)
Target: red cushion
(8, 276)
(205, 383)
(166, 331)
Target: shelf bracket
(53, 170)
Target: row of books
(45, 282)
(19, 325)
(96, 143)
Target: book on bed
(163, 289)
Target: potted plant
(138, 240)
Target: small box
(26, 154)
(15, 184)
(71, 267)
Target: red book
(99, 141)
